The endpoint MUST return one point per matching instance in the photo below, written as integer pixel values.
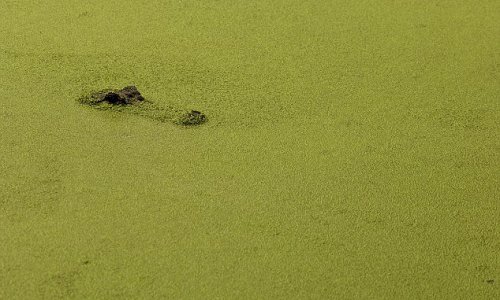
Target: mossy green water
(352, 150)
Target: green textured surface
(352, 150)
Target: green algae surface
(352, 152)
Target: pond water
(351, 150)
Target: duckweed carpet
(352, 150)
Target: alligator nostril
(193, 117)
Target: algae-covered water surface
(351, 150)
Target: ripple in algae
(130, 100)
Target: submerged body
(130, 100)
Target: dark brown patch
(126, 96)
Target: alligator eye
(113, 98)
